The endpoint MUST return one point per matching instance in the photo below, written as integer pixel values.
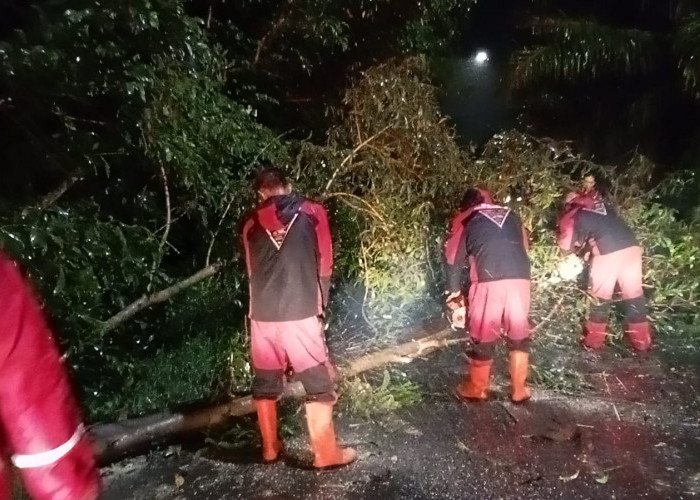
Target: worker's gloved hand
(570, 267)
(456, 310)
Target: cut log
(116, 440)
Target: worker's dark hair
(270, 178)
(471, 198)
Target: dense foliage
(614, 77)
(132, 132)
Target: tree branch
(209, 14)
(352, 154)
(221, 221)
(147, 300)
(54, 195)
(168, 222)
(273, 32)
(370, 209)
(269, 36)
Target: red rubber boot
(267, 421)
(327, 453)
(476, 385)
(518, 376)
(594, 335)
(639, 335)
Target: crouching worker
(490, 241)
(289, 255)
(40, 425)
(588, 224)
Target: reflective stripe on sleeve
(48, 457)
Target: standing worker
(40, 426)
(289, 255)
(490, 240)
(588, 224)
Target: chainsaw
(456, 310)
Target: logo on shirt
(278, 236)
(598, 208)
(497, 215)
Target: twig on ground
(605, 379)
(617, 414)
(509, 412)
(620, 382)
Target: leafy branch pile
(394, 174)
(391, 154)
(362, 399)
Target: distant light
(481, 57)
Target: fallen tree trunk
(116, 440)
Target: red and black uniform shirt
(289, 255)
(490, 239)
(591, 220)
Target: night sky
(478, 98)
(475, 95)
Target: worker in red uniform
(40, 426)
(489, 239)
(289, 255)
(590, 225)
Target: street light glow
(481, 57)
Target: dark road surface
(635, 435)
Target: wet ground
(633, 433)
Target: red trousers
(301, 344)
(499, 307)
(621, 269)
